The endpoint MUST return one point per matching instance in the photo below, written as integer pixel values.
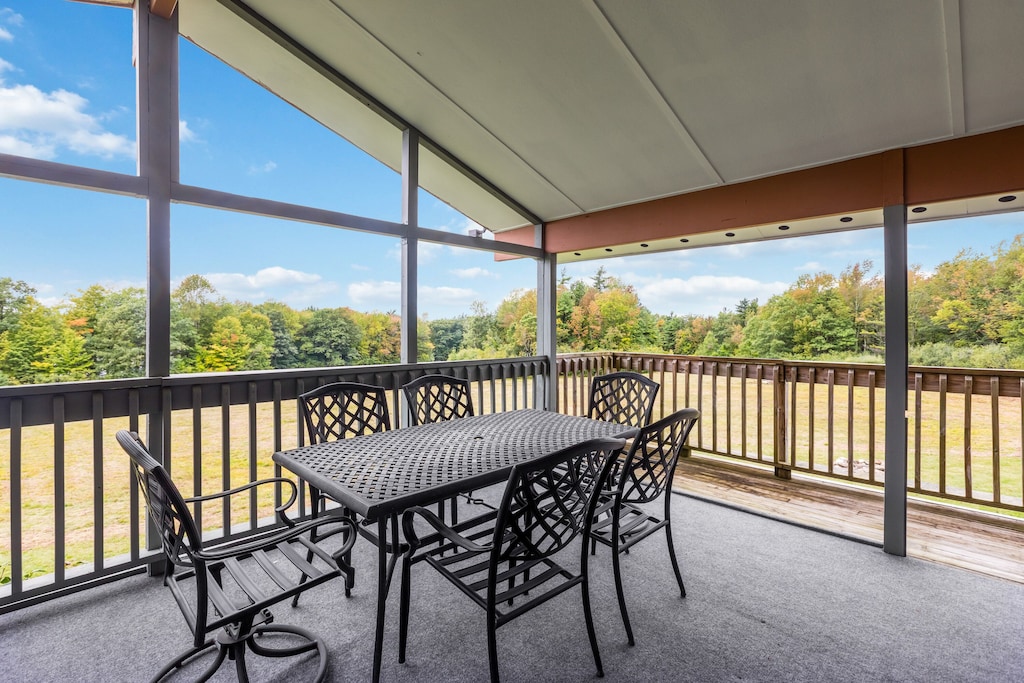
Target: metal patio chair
(438, 398)
(339, 411)
(225, 590)
(505, 560)
(642, 476)
(623, 397)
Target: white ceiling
(572, 106)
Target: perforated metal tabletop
(380, 474)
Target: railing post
(783, 468)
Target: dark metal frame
(623, 397)
(641, 477)
(547, 503)
(237, 577)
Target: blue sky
(67, 94)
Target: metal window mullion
(896, 364)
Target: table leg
(383, 576)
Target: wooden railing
(70, 514)
(70, 511)
(965, 426)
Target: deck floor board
(986, 543)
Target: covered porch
(605, 157)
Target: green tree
(447, 334)
(15, 297)
(36, 332)
(329, 338)
(118, 341)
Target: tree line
(969, 312)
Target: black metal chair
(641, 477)
(344, 409)
(339, 411)
(503, 560)
(623, 397)
(228, 587)
(438, 398)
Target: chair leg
(492, 646)
(403, 609)
(589, 616)
(672, 557)
(617, 569)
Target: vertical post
(547, 337)
(410, 243)
(157, 132)
(895, 516)
(783, 467)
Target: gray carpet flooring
(766, 601)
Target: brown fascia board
(972, 166)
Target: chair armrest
(413, 539)
(279, 510)
(249, 545)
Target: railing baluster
(968, 409)
(134, 510)
(831, 426)
(943, 388)
(197, 452)
(851, 382)
(97, 479)
(743, 410)
(996, 465)
(810, 418)
(59, 492)
(253, 476)
(918, 386)
(728, 408)
(872, 424)
(225, 454)
(17, 556)
(761, 412)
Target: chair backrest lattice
(549, 501)
(651, 461)
(623, 397)
(179, 535)
(344, 409)
(436, 398)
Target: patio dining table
(378, 476)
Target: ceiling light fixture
(845, 219)
(684, 240)
(644, 246)
(607, 248)
(1008, 198)
(919, 209)
(576, 253)
(730, 234)
(783, 227)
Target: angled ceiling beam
(954, 65)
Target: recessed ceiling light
(845, 219)
(607, 248)
(644, 245)
(576, 253)
(783, 227)
(683, 239)
(919, 209)
(730, 234)
(1008, 198)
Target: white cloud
(705, 294)
(386, 295)
(5, 35)
(292, 286)
(375, 295)
(186, 134)
(44, 123)
(471, 273)
(810, 267)
(265, 168)
(9, 16)
(6, 66)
